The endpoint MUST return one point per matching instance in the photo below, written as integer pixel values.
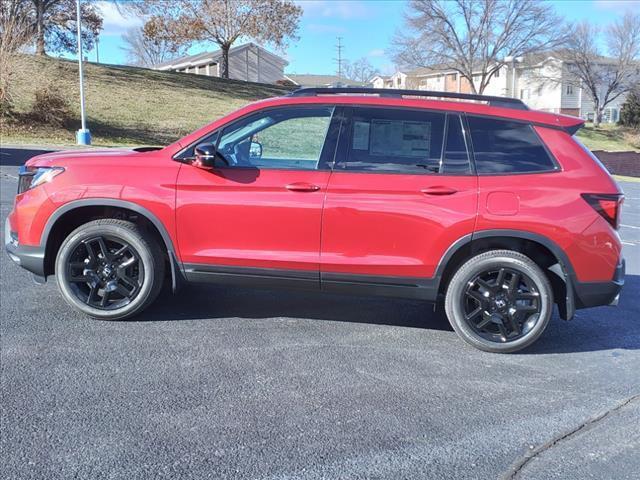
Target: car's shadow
(15, 157)
(603, 328)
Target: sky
(366, 27)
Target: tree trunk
(597, 115)
(224, 72)
(40, 29)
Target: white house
(543, 82)
(314, 80)
(249, 62)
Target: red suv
(478, 201)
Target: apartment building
(543, 82)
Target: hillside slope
(127, 105)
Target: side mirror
(205, 154)
(255, 150)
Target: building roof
(313, 80)
(207, 58)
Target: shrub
(50, 107)
(630, 112)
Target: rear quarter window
(503, 146)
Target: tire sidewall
(136, 242)
(476, 266)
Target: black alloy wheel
(499, 301)
(502, 305)
(105, 272)
(110, 268)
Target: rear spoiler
(572, 129)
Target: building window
(524, 94)
(569, 89)
(497, 74)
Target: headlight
(31, 177)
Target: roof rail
(504, 102)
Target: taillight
(606, 204)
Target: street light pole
(83, 136)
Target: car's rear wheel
(110, 269)
(499, 301)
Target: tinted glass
(288, 138)
(501, 146)
(456, 158)
(395, 140)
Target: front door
(258, 214)
(402, 191)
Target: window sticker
(400, 138)
(361, 135)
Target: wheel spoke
(514, 283)
(127, 279)
(486, 320)
(105, 298)
(103, 249)
(473, 314)
(477, 296)
(481, 283)
(503, 331)
(515, 324)
(526, 296)
(80, 278)
(123, 291)
(118, 253)
(500, 278)
(93, 258)
(93, 293)
(128, 262)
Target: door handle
(439, 190)
(302, 187)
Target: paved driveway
(234, 383)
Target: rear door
(401, 193)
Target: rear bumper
(594, 294)
(30, 258)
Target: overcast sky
(366, 28)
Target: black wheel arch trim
(177, 273)
(565, 272)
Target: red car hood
(50, 159)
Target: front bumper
(594, 294)
(28, 257)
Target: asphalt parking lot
(232, 383)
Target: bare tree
(473, 37)
(224, 22)
(159, 40)
(605, 73)
(360, 70)
(16, 31)
(54, 24)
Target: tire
(489, 311)
(130, 275)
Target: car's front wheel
(499, 301)
(110, 269)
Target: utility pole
(97, 49)
(338, 60)
(83, 136)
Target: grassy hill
(138, 106)
(126, 105)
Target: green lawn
(127, 105)
(612, 138)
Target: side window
(395, 140)
(284, 138)
(501, 146)
(456, 157)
